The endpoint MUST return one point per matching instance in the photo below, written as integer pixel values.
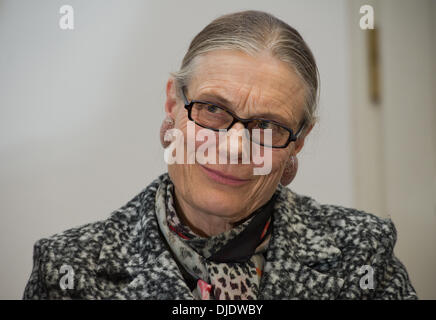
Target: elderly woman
(218, 230)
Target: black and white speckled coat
(316, 252)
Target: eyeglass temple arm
(300, 130)
(185, 100)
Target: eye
(264, 125)
(213, 109)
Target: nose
(238, 143)
(238, 126)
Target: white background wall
(80, 110)
(409, 130)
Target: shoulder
(78, 243)
(81, 247)
(366, 243)
(348, 226)
(86, 240)
(83, 243)
(54, 255)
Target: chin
(223, 205)
(222, 200)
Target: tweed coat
(317, 251)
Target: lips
(222, 178)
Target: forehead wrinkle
(251, 94)
(271, 104)
(248, 102)
(294, 107)
(258, 102)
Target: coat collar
(297, 250)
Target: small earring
(167, 124)
(290, 171)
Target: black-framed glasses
(211, 116)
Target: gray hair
(252, 32)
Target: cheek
(181, 121)
(181, 172)
(264, 185)
(279, 159)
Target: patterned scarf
(226, 266)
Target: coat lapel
(142, 267)
(298, 250)
(159, 278)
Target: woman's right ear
(171, 98)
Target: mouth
(222, 178)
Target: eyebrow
(221, 101)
